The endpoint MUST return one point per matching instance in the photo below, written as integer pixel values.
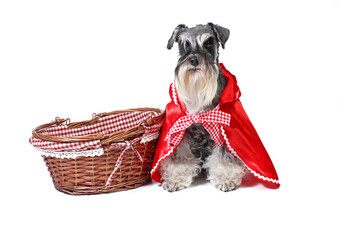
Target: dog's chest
(201, 143)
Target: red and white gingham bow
(212, 120)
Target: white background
(298, 67)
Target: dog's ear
(175, 35)
(222, 34)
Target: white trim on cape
(233, 152)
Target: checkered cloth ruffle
(105, 125)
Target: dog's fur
(199, 83)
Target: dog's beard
(196, 86)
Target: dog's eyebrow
(202, 38)
(187, 37)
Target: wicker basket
(111, 152)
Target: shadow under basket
(112, 152)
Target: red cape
(240, 137)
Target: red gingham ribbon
(212, 120)
(126, 145)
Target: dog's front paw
(173, 187)
(226, 187)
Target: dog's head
(197, 69)
(199, 44)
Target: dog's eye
(187, 45)
(209, 42)
(184, 46)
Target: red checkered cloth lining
(105, 125)
(212, 121)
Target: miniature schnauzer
(199, 82)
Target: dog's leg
(225, 172)
(177, 172)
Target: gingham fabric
(105, 125)
(67, 147)
(212, 120)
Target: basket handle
(57, 121)
(132, 132)
(105, 139)
(156, 119)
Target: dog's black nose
(194, 61)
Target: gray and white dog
(199, 82)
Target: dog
(199, 82)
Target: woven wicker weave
(88, 175)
